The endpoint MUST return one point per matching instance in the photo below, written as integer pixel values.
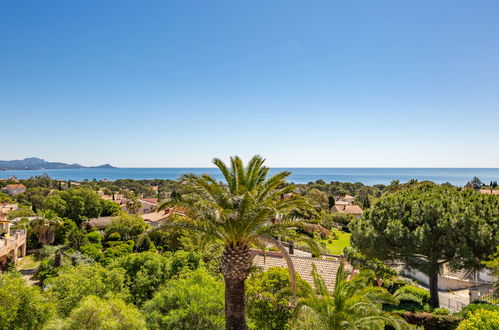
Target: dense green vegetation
(195, 272)
(428, 225)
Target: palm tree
(247, 209)
(133, 205)
(352, 304)
(45, 225)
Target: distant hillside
(34, 163)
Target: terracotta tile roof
(150, 200)
(16, 186)
(327, 268)
(489, 192)
(155, 216)
(347, 209)
(101, 222)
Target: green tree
(360, 261)
(318, 198)
(493, 264)
(352, 304)
(193, 301)
(75, 283)
(145, 273)
(247, 209)
(270, 300)
(133, 205)
(46, 226)
(476, 183)
(109, 208)
(428, 225)
(95, 313)
(76, 204)
(22, 306)
(129, 226)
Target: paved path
(455, 300)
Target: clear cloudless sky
(329, 83)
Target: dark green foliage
(193, 301)
(270, 300)
(145, 273)
(21, 213)
(360, 261)
(109, 208)
(431, 321)
(476, 183)
(128, 226)
(412, 298)
(73, 284)
(428, 225)
(76, 204)
(94, 237)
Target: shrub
(114, 237)
(413, 298)
(73, 284)
(47, 270)
(432, 322)
(93, 250)
(471, 308)
(22, 306)
(94, 237)
(269, 298)
(193, 301)
(111, 313)
(145, 273)
(480, 319)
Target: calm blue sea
(368, 176)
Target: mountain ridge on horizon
(35, 163)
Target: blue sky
(303, 83)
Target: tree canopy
(428, 225)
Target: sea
(367, 176)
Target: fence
(491, 296)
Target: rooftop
(327, 268)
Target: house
(340, 202)
(156, 219)
(354, 210)
(450, 279)
(12, 243)
(15, 189)
(327, 268)
(489, 191)
(8, 207)
(100, 222)
(345, 200)
(148, 205)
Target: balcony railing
(7, 243)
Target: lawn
(28, 262)
(337, 245)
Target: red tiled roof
(347, 209)
(16, 186)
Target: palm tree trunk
(235, 265)
(235, 307)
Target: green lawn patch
(336, 246)
(27, 262)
